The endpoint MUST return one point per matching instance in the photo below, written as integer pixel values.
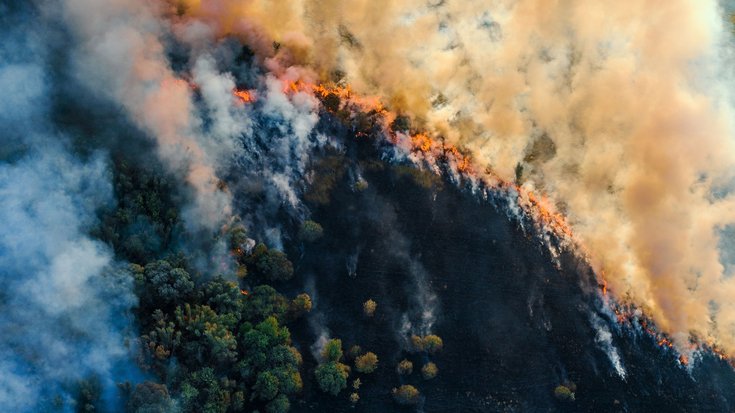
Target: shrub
(429, 371)
(354, 351)
(433, 343)
(406, 395)
(367, 363)
(310, 231)
(369, 307)
(562, 392)
(405, 367)
(300, 305)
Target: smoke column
(619, 111)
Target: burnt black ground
(514, 325)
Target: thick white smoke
(64, 302)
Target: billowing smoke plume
(64, 302)
(619, 111)
(121, 54)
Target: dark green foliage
(278, 405)
(219, 349)
(88, 396)
(163, 340)
(332, 377)
(202, 392)
(207, 336)
(264, 301)
(146, 219)
(149, 397)
(160, 285)
(237, 235)
(271, 264)
(269, 359)
(224, 297)
(310, 231)
(266, 386)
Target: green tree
(201, 393)
(163, 340)
(150, 397)
(271, 264)
(160, 285)
(332, 377)
(278, 405)
(266, 386)
(367, 363)
(332, 350)
(237, 236)
(262, 302)
(208, 335)
(310, 231)
(223, 296)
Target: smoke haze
(64, 301)
(620, 112)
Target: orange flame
(244, 292)
(245, 96)
(421, 142)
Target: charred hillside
(514, 324)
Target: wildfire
(245, 96)
(421, 142)
(244, 292)
(539, 207)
